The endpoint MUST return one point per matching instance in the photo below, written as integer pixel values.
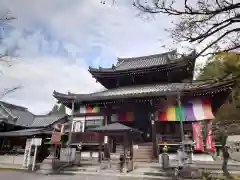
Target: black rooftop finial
(113, 67)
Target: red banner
(197, 137)
(209, 139)
(56, 137)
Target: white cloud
(39, 78)
(56, 41)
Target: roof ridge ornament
(113, 67)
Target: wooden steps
(141, 152)
(119, 149)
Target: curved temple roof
(142, 62)
(149, 90)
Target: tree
(225, 124)
(62, 109)
(54, 109)
(58, 109)
(3, 56)
(214, 25)
(222, 65)
(3, 20)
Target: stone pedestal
(46, 166)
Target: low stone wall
(195, 157)
(11, 159)
(89, 155)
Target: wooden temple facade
(150, 93)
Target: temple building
(17, 124)
(149, 93)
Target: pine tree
(62, 109)
(58, 109)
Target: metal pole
(181, 120)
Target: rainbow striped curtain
(123, 116)
(91, 109)
(126, 116)
(194, 110)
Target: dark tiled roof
(20, 115)
(46, 120)
(146, 61)
(24, 132)
(114, 128)
(24, 118)
(143, 62)
(145, 90)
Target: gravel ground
(13, 175)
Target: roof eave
(203, 89)
(99, 73)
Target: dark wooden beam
(100, 148)
(107, 120)
(154, 137)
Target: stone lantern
(187, 144)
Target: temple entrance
(170, 131)
(142, 123)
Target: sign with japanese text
(197, 137)
(209, 138)
(27, 153)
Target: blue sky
(55, 41)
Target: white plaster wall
(5, 159)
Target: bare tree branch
(4, 57)
(4, 19)
(212, 23)
(8, 91)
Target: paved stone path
(13, 175)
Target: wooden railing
(87, 137)
(168, 139)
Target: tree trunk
(225, 162)
(225, 155)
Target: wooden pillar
(125, 145)
(131, 148)
(105, 140)
(131, 153)
(100, 148)
(107, 120)
(181, 116)
(154, 138)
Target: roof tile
(143, 62)
(146, 61)
(46, 120)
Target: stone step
(143, 160)
(142, 152)
(142, 157)
(199, 165)
(166, 174)
(118, 174)
(85, 169)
